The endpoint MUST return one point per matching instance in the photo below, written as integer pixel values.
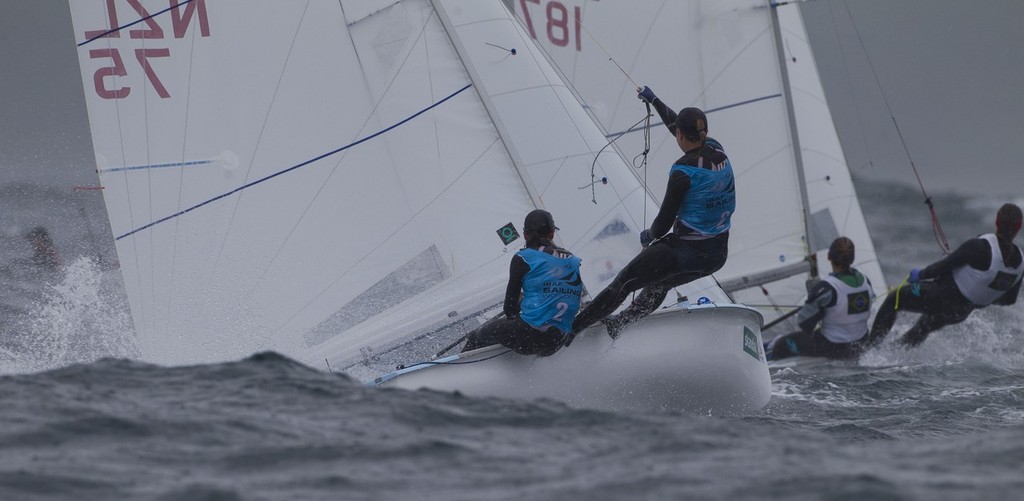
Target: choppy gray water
(81, 420)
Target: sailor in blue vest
(841, 302)
(984, 270)
(547, 278)
(688, 239)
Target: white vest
(983, 287)
(847, 320)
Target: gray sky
(951, 70)
(44, 129)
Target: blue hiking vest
(711, 201)
(551, 289)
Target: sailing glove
(646, 95)
(915, 276)
(646, 238)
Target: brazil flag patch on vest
(858, 302)
(1003, 281)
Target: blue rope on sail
(289, 169)
(133, 23)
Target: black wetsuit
(809, 341)
(670, 261)
(937, 297)
(509, 329)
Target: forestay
(322, 178)
(794, 192)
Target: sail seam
(294, 167)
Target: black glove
(646, 95)
(646, 238)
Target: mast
(794, 135)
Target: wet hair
(537, 226)
(841, 252)
(692, 123)
(1008, 221)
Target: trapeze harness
(846, 320)
(982, 287)
(551, 289)
(708, 206)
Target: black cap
(691, 122)
(539, 221)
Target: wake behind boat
(704, 359)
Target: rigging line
(127, 192)
(647, 149)
(593, 166)
(259, 137)
(289, 169)
(181, 186)
(849, 78)
(383, 241)
(610, 58)
(634, 127)
(636, 55)
(369, 116)
(940, 235)
(119, 28)
(149, 184)
(564, 84)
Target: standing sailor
(984, 270)
(548, 278)
(841, 302)
(699, 201)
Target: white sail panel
(835, 210)
(281, 251)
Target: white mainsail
(794, 192)
(322, 178)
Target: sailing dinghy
(336, 181)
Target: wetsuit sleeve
(822, 296)
(517, 271)
(668, 116)
(975, 253)
(675, 193)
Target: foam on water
(79, 318)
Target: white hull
(690, 359)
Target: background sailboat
(331, 180)
(749, 66)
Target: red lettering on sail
(112, 19)
(142, 55)
(154, 30)
(117, 70)
(181, 21)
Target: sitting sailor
(984, 270)
(549, 279)
(842, 302)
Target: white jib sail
(323, 177)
